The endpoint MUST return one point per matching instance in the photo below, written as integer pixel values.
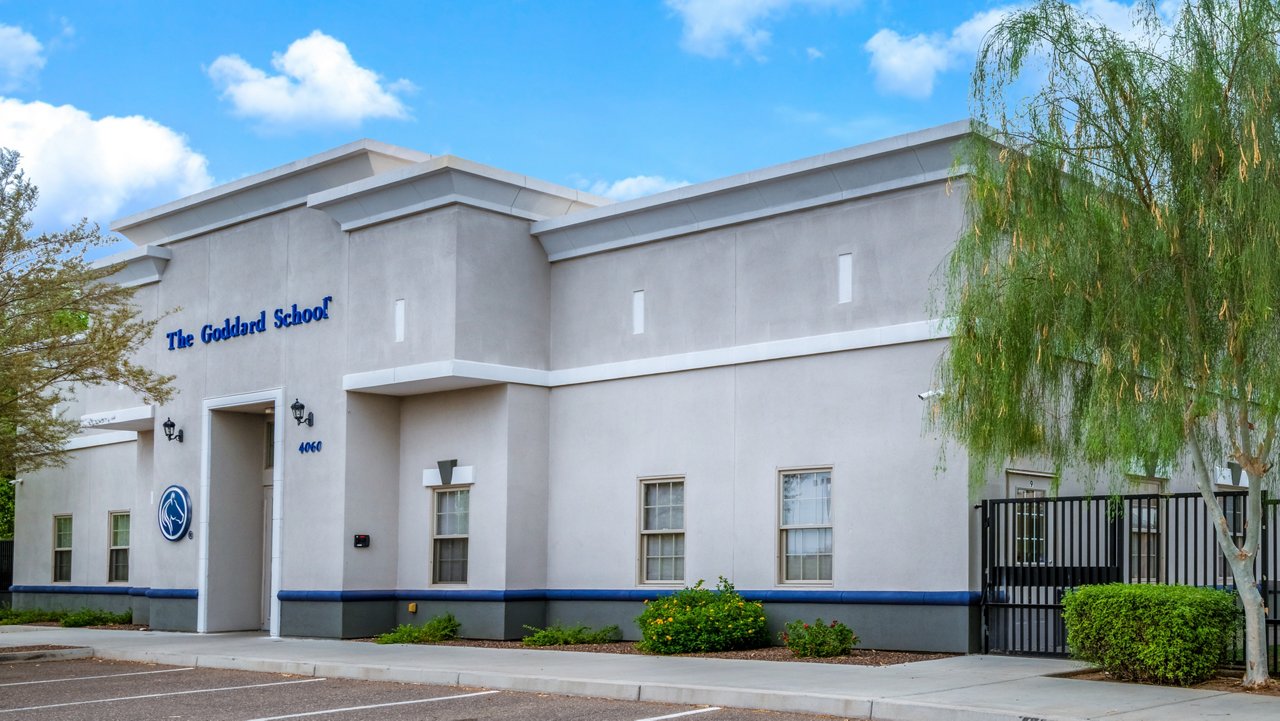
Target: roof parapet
(899, 162)
(271, 191)
(447, 180)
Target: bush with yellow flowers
(698, 620)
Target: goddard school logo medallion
(174, 513)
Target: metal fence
(1035, 548)
(6, 565)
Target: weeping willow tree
(1115, 290)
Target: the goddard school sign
(236, 327)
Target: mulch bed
(1223, 682)
(109, 627)
(40, 647)
(859, 657)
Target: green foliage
(61, 326)
(440, 628)
(7, 507)
(819, 639)
(13, 616)
(1114, 288)
(1161, 634)
(698, 620)
(558, 635)
(70, 619)
(94, 617)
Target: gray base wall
(141, 609)
(480, 619)
(326, 619)
(949, 629)
(362, 619)
(73, 601)
(946, 629)
(172, 614)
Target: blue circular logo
(174, 513)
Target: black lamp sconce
(298, 408)
(168, 427)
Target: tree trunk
(1241, 562)
(1255, 620)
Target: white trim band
(453, 374)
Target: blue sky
(121, 106)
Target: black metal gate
(1033, 549)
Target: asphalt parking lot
(93, 689)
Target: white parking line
(682, 713)
(158, 695)
(375, 705)
(86, 678)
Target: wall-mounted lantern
(298, 408)
(168, 427)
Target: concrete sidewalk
(963, 688)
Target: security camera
(929, 394)
(16, 482)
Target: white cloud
(319, 83)
(909, 65)
(634, 187)
(713, 27)
(813, 53)
(21, 57)
(86, 167)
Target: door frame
(274, 396)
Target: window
(1144, 533)
(1030, 517)
(118, 563)
(662, 529)
(61, 548)
(1029, 545)
(449, 542)
(806, 525)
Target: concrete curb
(60, 654)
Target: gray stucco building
(524, 404)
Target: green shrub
(557, 635)
(93, 617)
(819, 639)
(1163, 634)
(440, 628)
(698, 620)
(12, 616)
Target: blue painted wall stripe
(95, 590)
(893, 598)
(189, 593)
(111, 591)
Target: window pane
(664, 557)
(806, 498)
(807, 554)
(119, 570)
(450, 561)
(451, 513)
(62, 565)
(120, 529)
(62, 531)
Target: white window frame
(647, 533)
(1021, 485)
(1145, 523)
(112, 548)
(437, 537)
(784, 529)
(63, 549)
